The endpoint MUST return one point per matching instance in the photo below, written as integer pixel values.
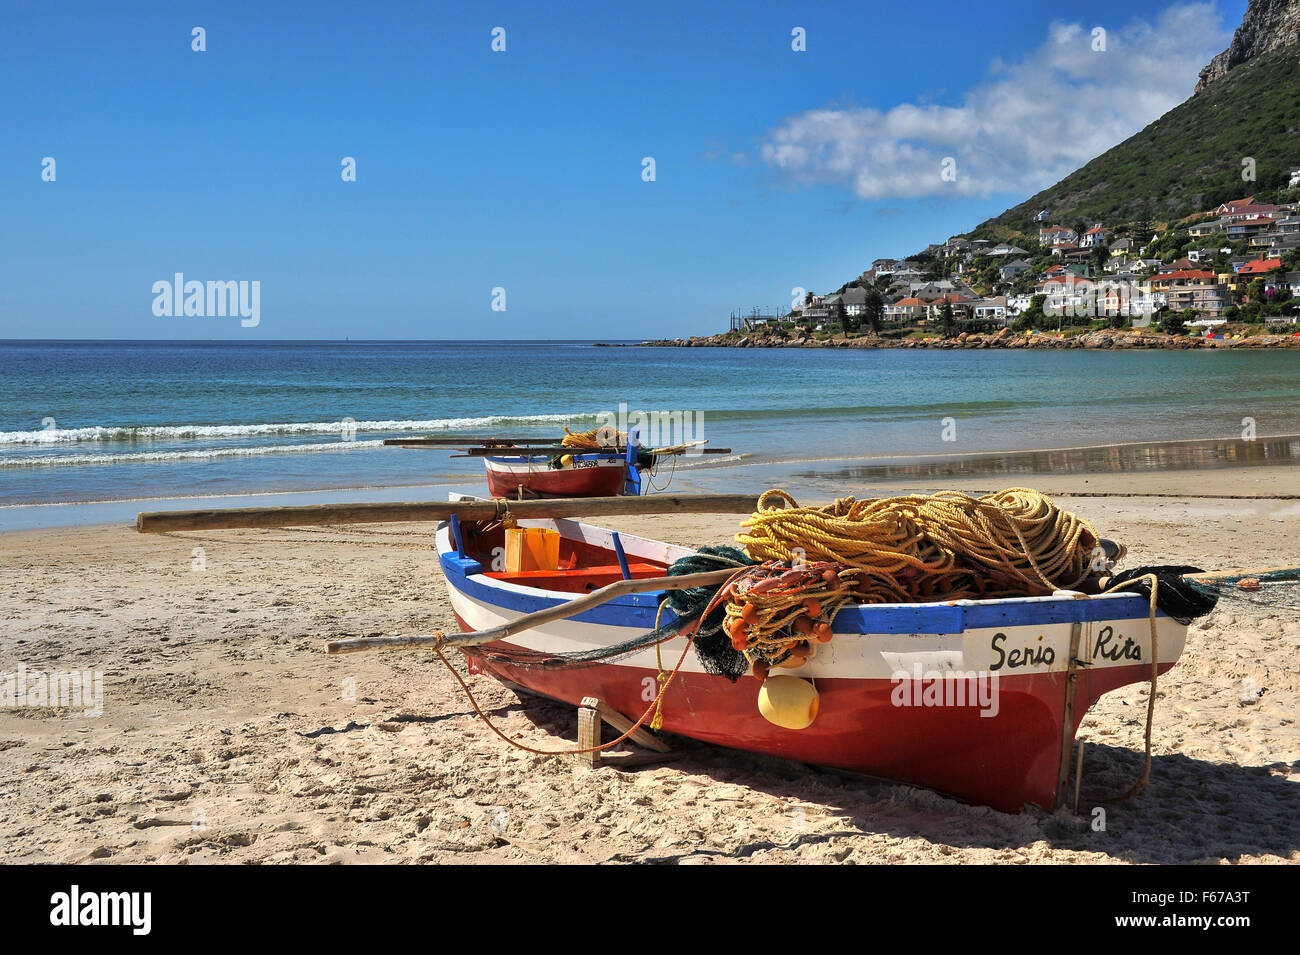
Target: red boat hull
(542, 481)
(1004, 762)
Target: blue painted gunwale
(638, 610)
(543, 458)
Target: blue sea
(128, 421)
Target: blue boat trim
(621, 555)
(455, 534)
(544, 458)
(638, 610)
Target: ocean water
(113, 421)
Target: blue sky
(523, 169)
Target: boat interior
(583, 565)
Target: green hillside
(1188, 160)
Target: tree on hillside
(1175, 323)
(946, 319)
(1033, 316)
(875, 310)
(1099, 256)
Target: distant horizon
(308, 341)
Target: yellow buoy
(566, 461)
(788, 702)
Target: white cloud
(1031, 123)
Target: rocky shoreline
(1006, 338)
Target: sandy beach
(227, 734)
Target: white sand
(226, 735)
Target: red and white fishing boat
(595, 464)
(900, 684)
(596, 474)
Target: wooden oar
(535, 619)
(681, 448)
(158, 522)
(482, 448)
(1231, 575)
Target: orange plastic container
(532, 548)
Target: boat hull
(968, 699)
(591, 475)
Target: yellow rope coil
(602, 437)
(947, 545)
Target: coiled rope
(950, 545)
(605, 436)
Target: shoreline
(1005, 339)
(1156, 465)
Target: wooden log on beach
(311, 515)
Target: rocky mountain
(1268, 25)
(1239, 135)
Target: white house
(854, 301)
(1094, 237)
(1055, 235)
(1018, 303)
(992, 308)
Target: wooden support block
(1078, 775)
(589, 732)
(591, 713)
(640, 736)
(1067, 719)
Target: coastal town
(1227, 276)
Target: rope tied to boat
(653, 708)
(947, 545)
(694, 606)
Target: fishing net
(1175, 595)
(712, 644)
(1267, 593)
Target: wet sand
(227, 735)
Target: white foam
(201, 432)
(140, 457)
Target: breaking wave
(200, 432)
(139, 457)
